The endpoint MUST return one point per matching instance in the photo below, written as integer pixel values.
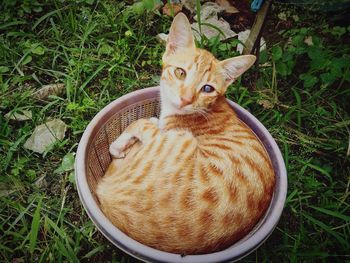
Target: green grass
(100, 51)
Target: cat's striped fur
(200, 179)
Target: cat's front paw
(116, 151)
(119, 146)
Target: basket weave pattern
(98, 157)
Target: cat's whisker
(202, 112)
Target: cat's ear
(232, 68)
(180, 35)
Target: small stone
(45, 135)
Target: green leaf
(298, 40)
(37, 9)
(67, 164)
(276, 52)
(105, 49)
(315, 53)
(4, 69)
(138, 8)
(33, 236)
(263, 57)
(38, 50)
(309, 80)
(27, 60)
(71, 178)
(327, 78)
(338, 31)
(148, 4)
(281, 68)
(96, 250)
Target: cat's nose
(185, 101)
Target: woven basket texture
(98, 156)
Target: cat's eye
(207, 89)
(180, 73)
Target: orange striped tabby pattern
(198, 179)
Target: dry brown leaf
(162, 38)
(308, 41)
(229, 8)
(210, 32)
(169, 8)
(20, 115)
(190, 5)
(266, 104)
(47, 90)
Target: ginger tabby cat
(199, 179)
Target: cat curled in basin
(199, 179)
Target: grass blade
(13, 23)
(94, 251)
(337, 236)
(41, 19)
(331, 213)
(35, 228)
(91, 77)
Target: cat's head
(192, 78)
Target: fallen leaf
(228, 7)
(41, 182)
(45, 135)
(282, 16)
(266, 104)
(6, 189)
(209, 10)
(19, 115)
(190, 5)
(308, 41)
(243, 36)
(210, 32)
(295, 18)
(162, 38)
(171, 9)
(47, 90)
